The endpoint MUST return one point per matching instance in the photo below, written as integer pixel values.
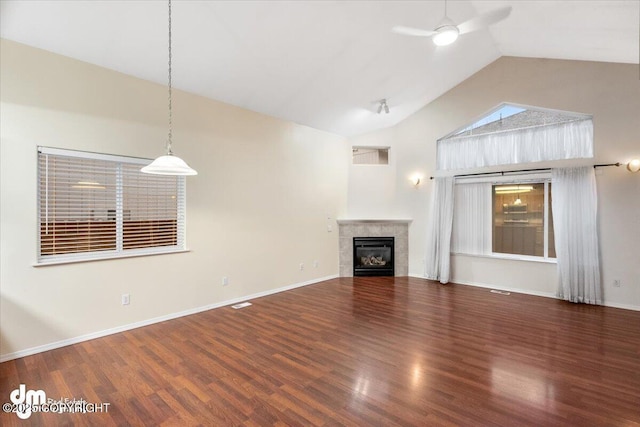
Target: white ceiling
(324, 64)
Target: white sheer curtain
(437, 263)
(472, 219)
(574, 199)
(572, 140)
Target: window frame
(119, 251)
(546, 182)
(515, 178)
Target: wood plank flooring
(355, 352)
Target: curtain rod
(501, 173)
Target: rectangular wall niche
(396, 228)
(370, 155)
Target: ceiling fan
(447, 31)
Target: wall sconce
(633, 165)
(416, 180)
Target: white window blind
(94, 206)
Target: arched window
(510, 215)
(512, 134)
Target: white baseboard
(623, 306)
(509, 289)
(529, 292)
(104, 333)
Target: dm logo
(25, 400)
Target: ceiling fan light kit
(447, 31)
(446, 34)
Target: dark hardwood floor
(355, 352)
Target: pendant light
(169, 164)
(518, 201)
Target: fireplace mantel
(348, 228)
(370, 220)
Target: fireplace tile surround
(350, 228)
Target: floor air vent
(241, 305)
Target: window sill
(511, 257)
(105, 258)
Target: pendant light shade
(169, 164)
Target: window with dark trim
(522, 219)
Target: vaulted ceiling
(324, 64)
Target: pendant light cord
(169, 151)
(168, 164)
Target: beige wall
(259, 206)
(610, 92)
(257, 209)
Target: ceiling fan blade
(484, 20)
(408, 31)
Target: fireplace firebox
(373, 256)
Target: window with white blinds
(95, 206)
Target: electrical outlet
(329, 228)
(125, 299)
(616, 283)
(315, 264)
(225, 281)
(301, 266)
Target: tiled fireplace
(396, 228)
